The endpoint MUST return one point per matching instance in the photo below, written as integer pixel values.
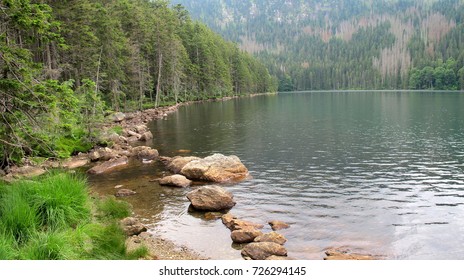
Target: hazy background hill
(346, 44)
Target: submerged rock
(216, 168)
(175, 181)
(109, 165)
(345, 254)
(125, 192)
(278, 225)
(263, 250)
(211, 198)
(132, 226)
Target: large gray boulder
(216, 168)
(263, 250)
(211, 198)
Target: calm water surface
(378, 172)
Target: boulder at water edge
(246, 235)
(175, 181)
(263, 250)
(109, 165)
(132, 226)
(144, 152)
(272, 237)
(211, 198)
(176, 164)
(216, 168)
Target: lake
(376, 172)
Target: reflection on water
(381, 173)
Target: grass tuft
(111, 208)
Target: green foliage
(443, 76)
(110, 208)
(342, 44)
(50, 219)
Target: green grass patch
(50, 219)
(111, 208)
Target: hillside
(346, 44)
(64, 64)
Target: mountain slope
(346, 44)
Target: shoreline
(159, 247)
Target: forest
(346, 44)
(65, 65)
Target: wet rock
(345, 254)
(227, 220)
(132, 226)
(216, 168)
(175, 181)
(213, 215)
(278, 225)
(125, 192)
(211, 198)
(75, 163)
(272, 237)
(241, 224)
(118, 117)
(143, 152)
(107, 154)
(146, 136)
(108, 166)
(176, 164)
(245, 235)
(263, 250)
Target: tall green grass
(51, 219)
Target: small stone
(118, 186)
(132, 226)
(213, 215)
(227, 220)
(175, 181)
(272, 237)
(118, 117)
(245, 235)
(146, 136)
(263, 250)
(344, 254)
(124, 192)
(278, 225)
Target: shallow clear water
(378, 172)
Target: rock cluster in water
(216, 168)
(260, 246)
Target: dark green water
(378, 172)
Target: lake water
(376, 172)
